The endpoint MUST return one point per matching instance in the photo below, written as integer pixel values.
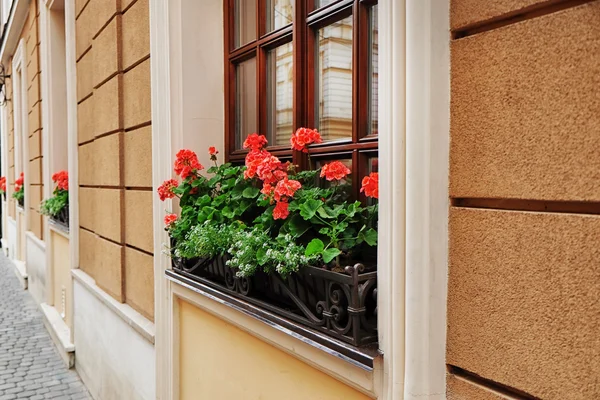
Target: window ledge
(325, 354)
(59, 228)
(137, 321)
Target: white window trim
(413, 137)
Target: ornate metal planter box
(341, 304)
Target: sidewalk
(30, 367)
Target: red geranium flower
(335, 170)
(187, 163)
(269, 169)
(370, 185)
(267, 189)
(3, 183)
(170, 218)
(286, 188)
(165, 191)
(253, 160)
(281, 210)
(255, 142)
(213, 150)
(61, 178)
(303, 137)
(19, 180)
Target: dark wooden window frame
(361, 146)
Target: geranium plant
(3, 186)
(268, 215)
(19, 192)
(59, 201)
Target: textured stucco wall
(523, 309)
(115, 157)
(61, 262)
(243, 367)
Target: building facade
(480, 116)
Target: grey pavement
(30, 366)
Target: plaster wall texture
(115, 148)
(460, 389)
(113, 360)
(36, 269)
(62, 295)
(523, 306)
(259, 370)
(525, 111)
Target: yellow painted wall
(61, 267)
(220, 361)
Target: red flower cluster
(255, 142)
(335, 170)
(170, 218)
(165, 191)
(187, 163)
(370, 185)
(3, 183)
(61, 178)
(272, 172)
(19, 183)
(303, 137)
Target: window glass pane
(245, 102)
(333, 76)
(374, 71)
(245, 22)
(280, 100)
(279, 13)
(323, 3)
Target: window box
(62, 217)
(343, 305)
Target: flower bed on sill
(290, 241)
(57, 206)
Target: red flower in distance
(170, 218)
(19, 180)
(303, 137)
(213, 151)
(335, 170)
(187, 163)
(281, 210)
(370, 185)
(61, 178)
(165, 191)
(255, 142)
(3, 183)
(286, 188)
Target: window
(311, 63)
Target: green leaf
(227, 212)
(217, 201)
(297, 225)
(315, 246)
(213, 181)
(327, 213)
(251, 192)
(203, 201)
(370, 236)
(261, 256)
(309, 208)
(330, 254)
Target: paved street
(30, 367)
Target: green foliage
(55, 204)
(19, 195)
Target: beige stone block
(35, 145)
(106, 52)
(137, 108)
(525, 110)
(11, 175)
(107, 213)
(465, 13)
(125, 4)
(32, 42)
(33, 66)
(523, 300)
(87, 207)
(35, 197)
(85, 75)
(138, 219)
(79, 5)
(104, 10)
(35, 171)
(85, 120)
(108, 159)
(12, 208)
(35, 120)
(11, 140)
(109, 273)
(106, 107)
(87, 164)
(136, 33)
(138, 157)
(11, 158)
(33, 93)
(84, 30)
(35, 224)
(139, 282)
(460, 389)
(87, 252)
